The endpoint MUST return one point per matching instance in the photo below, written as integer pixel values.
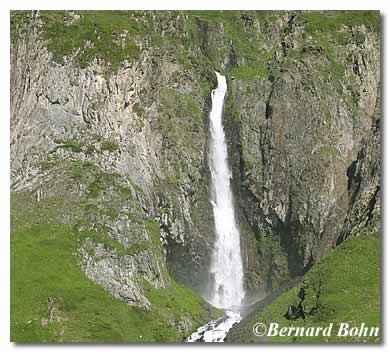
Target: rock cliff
(109, 133)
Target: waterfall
(226, 264)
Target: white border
(5, 7)
(197, 4)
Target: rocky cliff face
(109, 126)
(303, 138)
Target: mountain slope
(53, 301)
(342, 287)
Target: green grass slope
(52, 300)
(343, 287)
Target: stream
(215, 330)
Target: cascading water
(226, 267)
(226, 262)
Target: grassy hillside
(52, 299)
(344, 286)
(114, 36)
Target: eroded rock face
(298, 142)
(364, 185)
(130, 147)
(122, 274)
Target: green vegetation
(27, 212)
(332, 21)
(106, 192)
(112, 36)
(107, 35)
(249, 72)
(153, 229)
(109, 243)
(344, 286)
(71, 143)
(138, 109)
(136, 187)
(181, 120)
(175, 102)
(89, 145)
(176, 302)
(329, 28)
(19, 22)
(52, 299)
(246, 44)
(108, 145)
(96, 179)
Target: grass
(138, 109)
(153, 229)
(106, 35)
(108, 145)
(19, 21)
(180, 121)
(344, 286)
(243, 42)
(72, 143)
(44, 267)
(246, 44)
(96, 179)
(189, 108)
(328, 33)
(109, 243)
(136, 187)
(106, 192)
(332, 21)
(91, 144)
(113, 36)
(251, 71)
(101, 236)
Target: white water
(226, 267)
(215, 330)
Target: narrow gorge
(177, 174)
